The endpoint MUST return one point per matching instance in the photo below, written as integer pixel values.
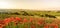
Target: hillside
(19, 12)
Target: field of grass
(8, 13)
(14, 18)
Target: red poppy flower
(40, 21)
(7, 20)
(54, 25)
(12, 19)
(31, 19)
(25, 20)
(46, 26)
(18, 19)
(32, 26)
(2, 23)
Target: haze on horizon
(30, 4)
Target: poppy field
(17, 22)
(29, 19)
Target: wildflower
(2, 23)
(46, 26)
(40, 21)
(54, 25)
(25, 20)
(12, 19)
(18, 19)
(32, 26)
(7, 20)
(31, 19)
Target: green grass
(35, 13)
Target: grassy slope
(35, 13)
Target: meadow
(14, 18)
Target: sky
(30, 4)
